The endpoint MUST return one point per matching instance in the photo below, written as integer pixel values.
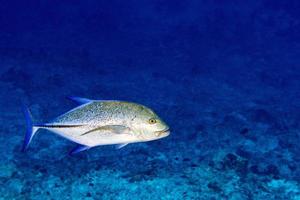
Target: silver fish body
(97, 123)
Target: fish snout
(162, 133)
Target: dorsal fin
(80, 100)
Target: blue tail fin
(30, 130)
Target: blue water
(224, 75)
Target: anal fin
(119, 146)
(78, 148)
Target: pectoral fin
(116, 129)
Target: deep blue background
(225, 76)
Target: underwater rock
(6, 170)
(267, 144)
(140, 175)
(91, 184)
(254, 169)
(234, 162)
(244, 131)
(137, 178)
(214, 186)
(15, 186)
(285, 143)
(148, 173)
(290, 188)
(88, 194)
(270, 170)
(243, 153)
(260, 115)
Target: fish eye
(152, 121)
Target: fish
(101, 122)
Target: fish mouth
(162, 132)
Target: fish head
(149, 126)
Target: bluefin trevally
(102, 122)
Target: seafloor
(224, 76)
